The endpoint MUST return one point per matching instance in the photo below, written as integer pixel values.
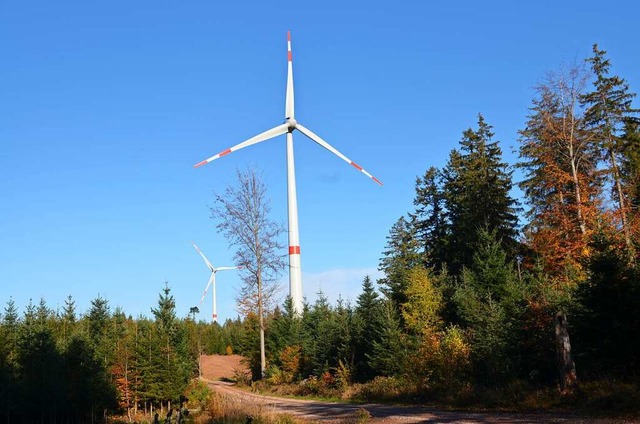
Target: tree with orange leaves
(562, 184)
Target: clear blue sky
(105, 107)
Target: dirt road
(342, 412)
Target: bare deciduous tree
(243, 218)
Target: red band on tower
(294, 250)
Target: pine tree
(68, 319)
(400, 255)
(430, 219)
(390, 348)
(608, 108)
(9, 398)
(368, 314)
(630, 169)
(97, 322)
(477, 185)
(491, 303)
(174, 372)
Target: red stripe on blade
(199, 164)
(226, 152)
(355, 165)
(288, 35)
(289, 56)
(377, 180)
(294, 250)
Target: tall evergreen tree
(631, 172)
(491, 303)
(430, 219)
(68, 319)
(390, 348)
(175, 369)
(477, 185)
(368, 314)
(400, 255)
(608, 107)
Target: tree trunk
(576, 187)
(621, 201)
(566, 365)
(263, 361)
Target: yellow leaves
(290, 359)
(421, 312)
(443, 358)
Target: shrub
(197, 394)
(290, 360)
(382, 389)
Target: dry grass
(229, 410)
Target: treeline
(480, 290)
(58, 366)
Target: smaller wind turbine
(212, 280)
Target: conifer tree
(68, 319)
(631, 172)
(477, 185)
(401, 254)
(368, 315)
(390, 348)
(430, 219)
(608, 107)
(174, 373)
(491, 302)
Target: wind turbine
(290, 124)
(212, 279)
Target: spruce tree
(430, 220)
(367, 314)
(390, 348)
(175, 370)
(401, 254)
(477, 185)
(608, 107)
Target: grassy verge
(602, 398)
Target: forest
(482, 292)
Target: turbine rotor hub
(292, 123)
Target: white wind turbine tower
(290, 124)
(212, 280)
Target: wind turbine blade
(225, 268)
(313, 136)
(273, 132)
(206, 261)
(289, 109)
(207, 288)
